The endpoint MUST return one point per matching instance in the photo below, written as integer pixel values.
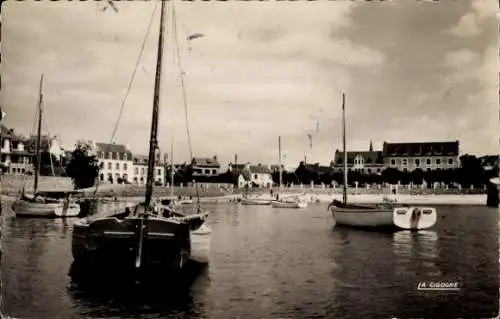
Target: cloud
(472, 22)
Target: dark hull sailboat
(150, 235)
(123, 240)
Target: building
(320, 170)
(368, 162)
(260, 175)
(426, 156)
(15, 155)
(115, 161)
(489, 162)
(205, 166)
(141, 171)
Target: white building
(115, 161)
(141, 171)
(15, 158)
(258, 175)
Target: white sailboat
(44, 204)
(286, 202)
(385, 215)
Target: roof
(489, 160)
(373, 157)
(421, 149)
(205, 161)
(260, 169)
(10, 134)
(143, 160)
(319, 168)
(106, 148)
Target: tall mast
(279, 155)
(153, 141)
(38, 137)
(171, 169)
(345, 152)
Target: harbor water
(268, 263)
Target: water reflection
(416, 254)
(107, 294)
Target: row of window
(125, 177)
(417, 162)
(205, 171)
(112, 155)
(125, 167)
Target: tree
(83, 167)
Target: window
(405, 169)
(378, 170)
(117, 166)
(214, 171)
(110, 155)
(124, 166)
(136, 171)
(428, 169)
(110, 165)
(438, 161)
(102, 177)
(158, 171)
(142, 172)
(417, 162)
(369, 170)
(393, 162)
(207, 171)
(428, 161)
(255, 176)
(125, 158)
(450, 161)
(404, 161)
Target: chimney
(215, 157)
(235, 159)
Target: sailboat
(145, 236)
(44, 204)
(385, 215)
(288, 202)
(171, 201)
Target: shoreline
(431, 199)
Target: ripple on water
(265, 263)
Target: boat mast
(345, 153)
(153, 139)
(171, 169)
(38, 137)
(279, 155)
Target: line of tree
(83, 169)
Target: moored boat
(149, 234)
(254, 201)
(43, 204)
(380, 216)
(289, 204)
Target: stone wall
(11, 184)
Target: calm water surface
(267, 263)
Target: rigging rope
(133, 73)
(184, 99)
(122, 106)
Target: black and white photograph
(249, 159)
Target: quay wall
(12, 184)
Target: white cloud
(470, 24)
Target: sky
(412, 71)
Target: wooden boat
(43, 204)
(148, 234)
(46, 204)
(255, 201)
(289, 204)
(376, 216)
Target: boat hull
(364, 218)
(278, 204)
(111, 241)
(201, 243)
(246, 201)
(24, 208)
